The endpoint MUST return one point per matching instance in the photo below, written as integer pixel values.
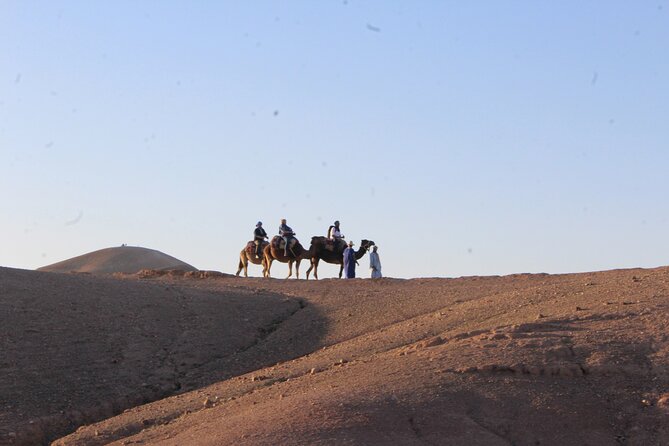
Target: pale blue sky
(465, 138)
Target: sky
(464, 138)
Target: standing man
(287, 233)
(259, 236)
(349, 262)
(375, 263)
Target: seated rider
(259, 236)
(335, 234)
(286, 233)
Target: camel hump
(318, 239)
(251, 247)
(279, 243)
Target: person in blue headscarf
(349, 262)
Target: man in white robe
(375, 263)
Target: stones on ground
(431, 342)
(258, 378)
(663, 400)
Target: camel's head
(367, 244)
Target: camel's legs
(268, 265)
(341, 269)
(240, 266)
(243, 264)
(314, 265)
(310, 268)
(297, 268)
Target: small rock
(579, 309)
(208, 402)
(663, 401)
(258, 378)
(540, 316)
(312, 371)
(431, 342)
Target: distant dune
(124, 259)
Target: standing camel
(334, 256)
(274, 252)
(248, 254)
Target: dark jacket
(285, 230)
(259, 233)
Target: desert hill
(122, 259)
(79, 348)
(522, 360)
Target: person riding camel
(259, 236)
(287, 234)
(335, 234)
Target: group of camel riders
(287, 234)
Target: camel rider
(259, 236)
(287, 234)
(334, 234)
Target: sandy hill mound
(124, 259)
(80, 348)
(522, 359)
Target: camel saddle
(331, 245)
(251, 247)
(279, 243)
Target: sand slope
(523, 360)
(79, 348)
(123, 259)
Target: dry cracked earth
(207, 359)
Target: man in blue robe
(349, 262)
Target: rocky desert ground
(205, 358)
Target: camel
(248, 254)
(295, 255)
(336, 256)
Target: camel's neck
(359, 253)
(307, 254)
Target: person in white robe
(375, 263)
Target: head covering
(259, 223)
(336, 222)
(283, 220)
(350, 243)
